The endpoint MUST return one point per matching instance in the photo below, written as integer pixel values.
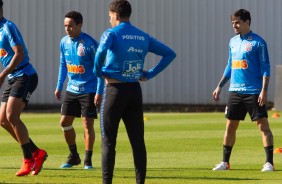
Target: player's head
(1, 3)
(119, 11)
(73, 23)
(76, 16)
(241, 21)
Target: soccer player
(248, 69)
(77, 61)
(124, 47)
(22, 81)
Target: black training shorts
(239, 104)
(79, 105)
(21, 87)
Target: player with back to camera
(77, 61)
(22, 81)
(248, 69)
(125, 47)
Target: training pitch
(181, 148)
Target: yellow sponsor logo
(77, 69)
(239, 64)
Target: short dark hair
(243, 14)
(76, 16)
(121, 7)
(1, 3)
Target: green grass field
(181, 148)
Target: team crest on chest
(248, 47)
(81, 50)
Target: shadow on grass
(185, 177)
(199, 178)
(49, 169)
(174, 174)
(210, 169)
(152, 173)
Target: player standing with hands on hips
(84, 89)
(22, 81)
(248, 69)
(123, 48)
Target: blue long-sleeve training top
(122, 52)
(77, 61)
(247, 64)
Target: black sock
(26, 150)
(73, 150)
(33, 147)
(269, 154)
(226, 153)
(88, 156)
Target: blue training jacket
(77, 61)
(10, 36)
(125, 47)
(247, 64)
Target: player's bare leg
(267, 139)
(230, 132)
(69, 134)
(14, 109)
(4, 122)
(89, 139)
(39, 155)
(228, 143)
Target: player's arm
(16, 60)
(217, 90)
(16, 44)
(265, 69)
(262, 100)
(162, 50)
(105, 43)
(62, 74)
(99, 92)
(225, 78)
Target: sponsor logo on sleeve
(3, 53)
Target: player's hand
(2, 79)
(262, 99)
(58, 95)
(216, 94)
(143, 78)
(98, 101)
